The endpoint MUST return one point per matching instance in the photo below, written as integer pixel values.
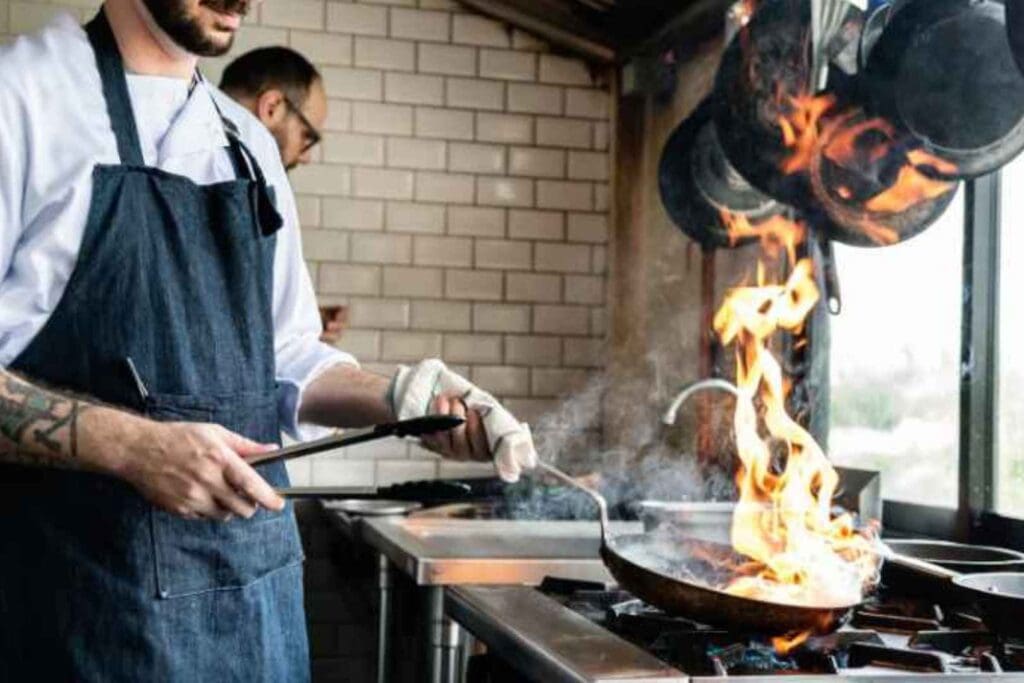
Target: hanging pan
(761, 87)
(944, 71)
(763, 67)
(698, 184)
(1015, 29)
(872, 191)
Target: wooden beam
(585, 40)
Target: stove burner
(893, 623)
(954, 642)
(865, 654)
(890, 636)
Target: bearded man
(157, 328)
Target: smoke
(643, 460)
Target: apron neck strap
(115, 89)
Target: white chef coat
(54, 128)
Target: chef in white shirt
(158, 327)
(286, 93)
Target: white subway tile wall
(458, 205)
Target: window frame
(975, 519)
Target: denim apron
(95, 583)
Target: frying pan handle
(920, 566)
(833, 296)
(602, 504)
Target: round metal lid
(373, 508)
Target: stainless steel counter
(436, 553)
(548, 642)
(450, 552)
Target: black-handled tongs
(428, 424)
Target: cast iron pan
(697, 183)
(850, 221)
(1015, 29)
(944, 70)
(767, 63)
(998, 596)
(959, 557)
(770, 56)
(653, 566)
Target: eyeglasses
(310, 133)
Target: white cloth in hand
(511, 443)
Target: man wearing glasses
(285, 92)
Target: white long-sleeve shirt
(54, 128)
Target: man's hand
(431, 386)
(334, 320)
(467, 441)
(198, 471)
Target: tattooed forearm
(37, 427)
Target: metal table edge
(469, 606)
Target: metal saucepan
(945, 72)
(654, 568)
(999, 596)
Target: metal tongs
(420, 426)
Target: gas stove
(887, 634)
(890, 637)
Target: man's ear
(270, 107)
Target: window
(1010, 473)
(895, 355)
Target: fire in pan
(679, 575)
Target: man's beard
(172, 16)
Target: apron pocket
(196, 556)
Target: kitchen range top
(888, 638)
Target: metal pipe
(384, 616)
(433, 625)
(452, 648)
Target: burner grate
(891, 636)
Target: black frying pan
(771, 55)
(760, 71)
(851, 219)
(944, 71)
(998, 596)
(697, 183)
(651, 566)
(959, 557)
(1015, 29)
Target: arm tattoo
(36, 426)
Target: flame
(787, 643)
(861, 146)
(912, 187)
(777, 234)
(847, 148)
(801, 130)
(800, 554)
